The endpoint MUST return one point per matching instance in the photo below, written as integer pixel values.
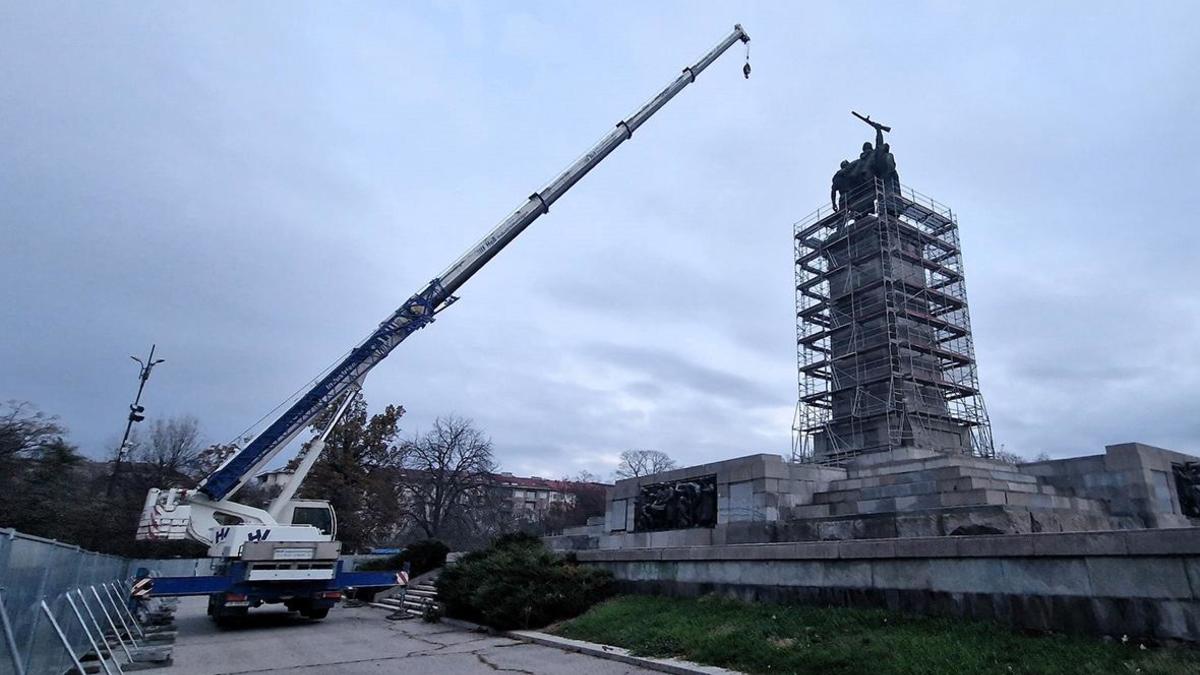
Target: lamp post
(136, 411)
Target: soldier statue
(875, 161)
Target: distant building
(533, 496)
(528, 498)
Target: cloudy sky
(254, 187)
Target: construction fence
(41, 607)
(50, 590)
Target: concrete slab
(357, 641)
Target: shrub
(518, 583)
(424, 555)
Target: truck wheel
(315, 614)
(227, 617)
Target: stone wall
(909, 492)
(752, 488)
(1141, 583)
(1135, 480)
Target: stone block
(811, 511)
(1008, 476)
(972, 498)
(930, 547)
(1131, 577)
(1010, 486)
(795, 573)
(844, 509)
(740, 473)
(1164, 542)
(1191, 567)
(971, 575)
(635, 540)
(1079, 543)
(748, 532)
(1122, 456)
(847, 574)
(918, 525)
(1020, 499)
(747, 552)
(1044, 576)
(1176, 620)
(835, 530)
(797, 530)
(875, 506)
(867, 548)
(995, 546)
(764, 499)
(906, 574)
(775, 468)
(875, 527)
(820, 550)
(677, 538)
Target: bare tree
(173, 448)
(584, 476)
(636, 463)
(211, 458)
(24, 429)
(446, 477)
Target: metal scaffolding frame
(883, 331)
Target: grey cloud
(256, 195)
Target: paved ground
(359, 640)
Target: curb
(674, 666)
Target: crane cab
(315, 512)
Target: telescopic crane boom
(163, 518)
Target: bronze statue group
(875, 162)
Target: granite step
(977, 497)
(905, 466)
(927, 487)
(943, 473)
(929, 501)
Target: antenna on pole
(136, 414)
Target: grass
(758, 638)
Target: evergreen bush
(424, 555)
(518, 583)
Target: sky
(254, 186)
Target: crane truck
(288, 552)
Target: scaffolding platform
(885, 352)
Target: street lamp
(136, 413)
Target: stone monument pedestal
(905, 492)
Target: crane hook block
(746, 70)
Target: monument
(892, 496)
(892, 436)
(883, 328)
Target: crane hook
(746, 68)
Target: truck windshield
(317, 516)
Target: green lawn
(759, 638)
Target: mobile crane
(288, 552)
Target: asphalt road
(359, 640)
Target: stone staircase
(942, 482)
(416, 598)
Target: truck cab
(315, 512)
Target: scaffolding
(886, 358)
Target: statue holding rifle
(873, 162)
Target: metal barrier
(57, 602)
